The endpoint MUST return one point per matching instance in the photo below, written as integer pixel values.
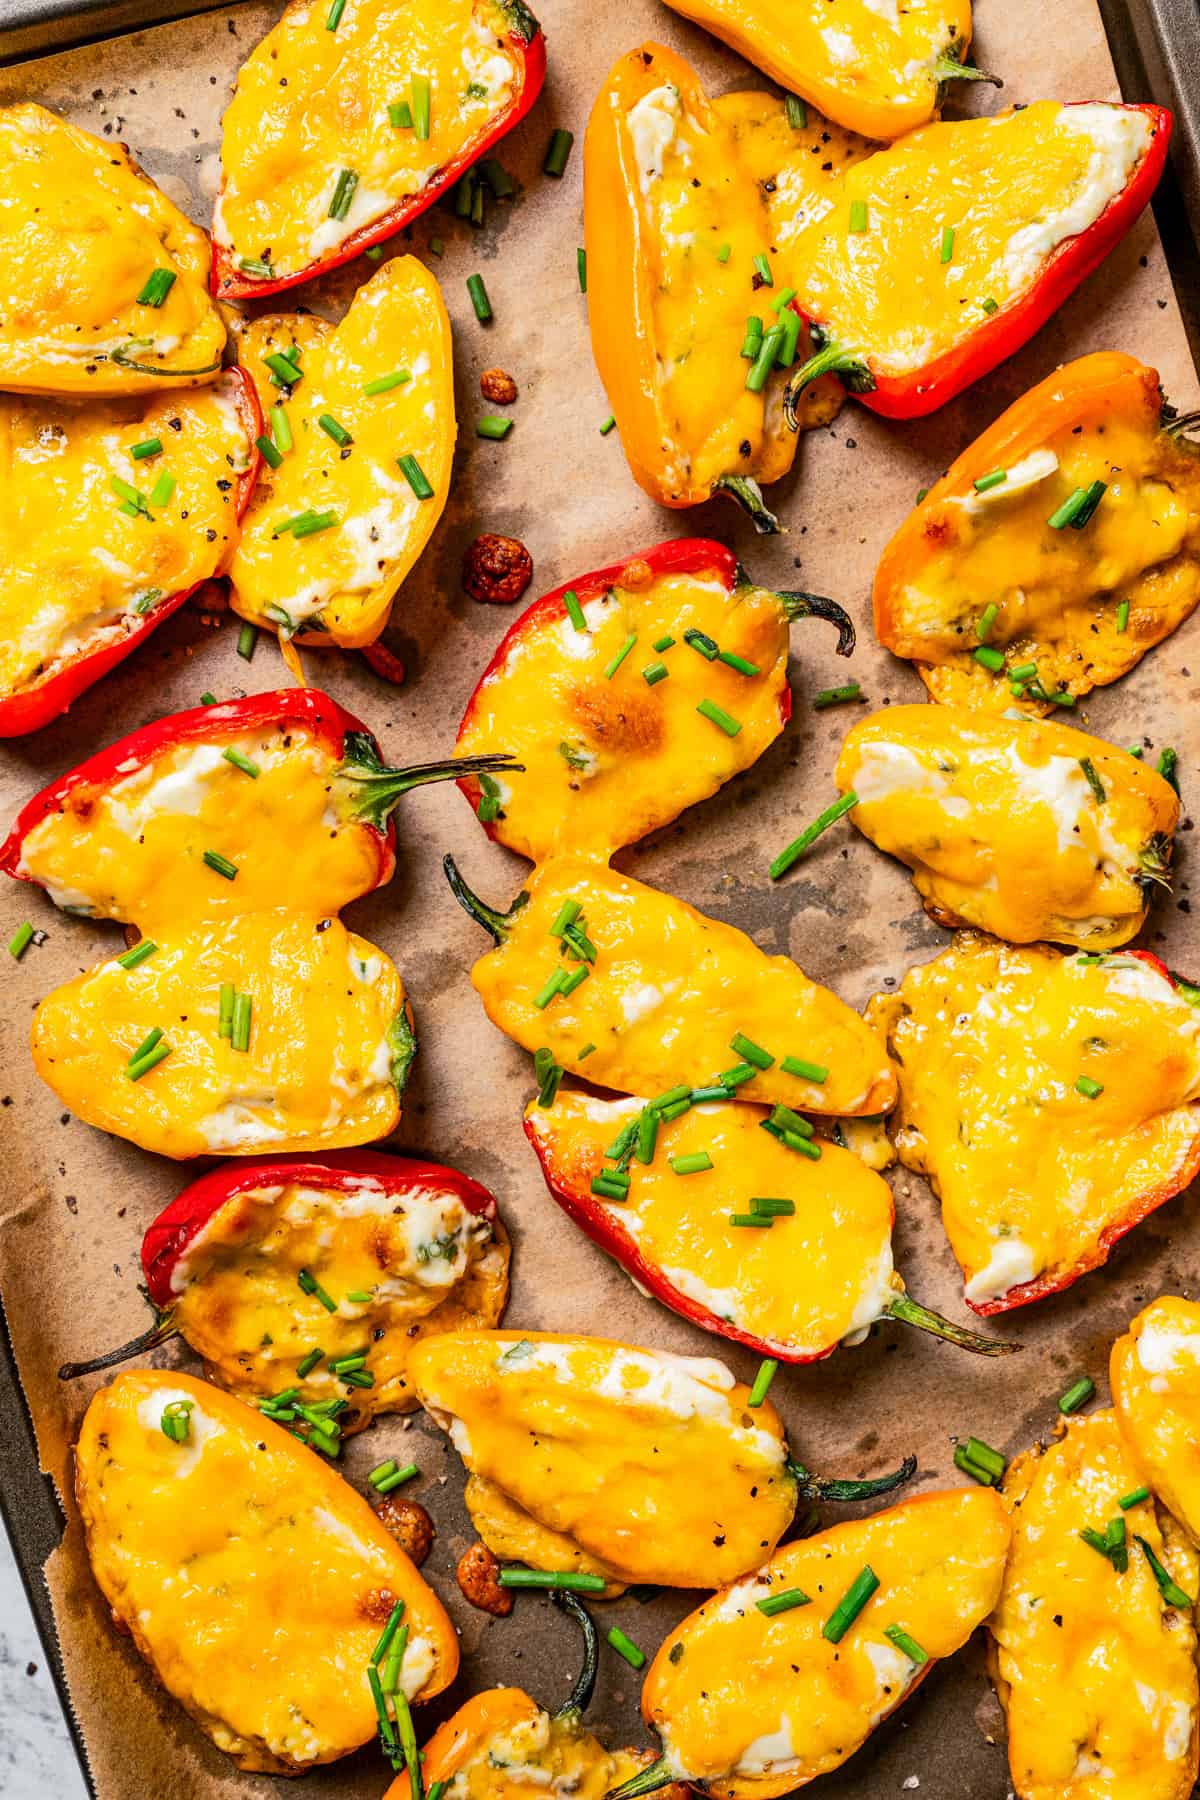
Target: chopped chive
(619, 658)
(247, 639)
(663, 1102)
(549, 1077)
(795, 111)
(1077, 1395)
(738, 663)
(947, 250)
(605, 1188)
(335, 430)
(1171, 1592)
(281, 429)
(692, 1164)
(286, 372)
(1167, 763)
(422, 106)
(390, 1629)
(702, 644)
(493, 428)
(1123, 615)
(785, 356)
(1091, 1090)
(20, 941)
(143, 1064)
(807, 1071)
(381, 1471)
(663, 643)
(574, 1581)
(1133, 1498)
(752, 342)
(254, 265)
(762, 269)
(989, 658)
(808, 837)
(908, 1646)
(157, 286)
(415, 476)
(147, 447)
(983, 484)
(764, 360)
(240, 761)
(774, 1209)
(176, 1421)
(574, 979)
(708, 709)
(309, 1363)
(979, 1460)
(221, 864)
(267, 451)
(566, 915)
(163, 488)
(724, 252)
(783, 1117)
(1093, 780)
(655, 672)
(754, 1220)
(858, 215)
(991, 306)
(735, 1077)
(479, 298)
(1023, 672)
(307, 1282)
(1078, 507)
(395, 1480)
(383, 384)
(552, 986)
(400, 115)
(557, 152)
(239, 1036)
(343, 193)
(781, 299)
(138, 954)
(125, 491)
(987, 619)
(208, 698)
(147, 1044)
(702, 1095)
(767, 1370)
(837, 696)
(360, 1296)
(647, 1135)
(627, 1648)
(850, 1605)
(573, 610)
(334, 16)
(751, 1052)
(585, 1052)
(975, 1470)
(1116, 1544)
(783, 1602)
(225, 999)
(488, 809)
(581, 269)
(608, 425)
(791, 1140)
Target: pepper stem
(746, 491)
(812, 1488)
(656, 1775)
(817, 606)
(948, 68)
(497, 923)
(163, 1328)
(810, 834)
(911, 1312)
(378, 790)
(832, 360)
(1184, 423)
(580, 1697)
(1189, 989)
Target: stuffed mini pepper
(351, 117)
(945, 252)
(1059, 548)
(246, 1016)
(1026, 829)
(305, 1285)
(254, 1580)
(638, 991)
(1050, 1100)
(781, 1677)
(115, 512)
(357, 458)
(1093, 1641)
(102, 279)
(1155, 1373)
(734, 1216)
(608, 690)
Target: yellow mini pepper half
(1155, 1372)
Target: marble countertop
(36, 1754)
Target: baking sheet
(76, 1202)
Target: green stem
(1154, 863)
(808, 837)
(911, 1312)
(497, 923)
(1189, 989)
(1185, 422)
(376, 790)
(746, 491)
(163, 1329)
(657, 1775)
(817, 606)
(580, 1697)
(948, 68)
(131, 362)
(832, 360)
(811, 1488)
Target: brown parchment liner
(75, 1202)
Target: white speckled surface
(36, 1756)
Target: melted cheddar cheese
(650, 1463)
(79, 572)
(814, 1279)
(418, 1262)
(1095, 1671)
(311, 103)
(1035, 1176)
(667, 992)
(82, 230)
(1155, 1374)
(872, 65)
(253, 1579)
(1002, 827)
(608, 759)
(337, 585)
(1012, 188)
(754, 1705)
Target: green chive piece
(738, 663)
(708, 709)
(422, 106)
(782, 1116)
(334, 16)
(309, 1363)
(724, 252)
(751, 1052)
(752, 342)
(343, 193)
(608, 425)
(767, 1370)
(754, 1220)
(974, 1456)
(383, 384)
(268, 452)
(135, 501)
(1077, 509)
(783, 1602)
(400, 115)
(1091, 1090)
(281, 429)
(389, 1631)
(142, 1065)
(702, 644)
(1167, 765)
(975, 1470)
(662, 1103)
(947, 250)
(573, 610)
(837, 696)
(557, 152)
(137, 954)
(158, 285)
(574, 979)
(627, 1648)
(1171, 1592)
(768, 1208)
(983, 484)
(284, 371)
(574, 1581)
(494, 428)
(586, 1052)
(1077, 1395)
(479, 298)
(734, 1078)
(396, 1479)
(221, 864)
(764, 361)
(176, 1420)
(247, 639)
(1123, 615)
(908, 1646)
(991, 306)
(701, 1096)
(989, 658)
(781, 299)
(663, 643)
(655, 672)
(785, 356)
(581, 269)
(808, 837)
(566, 915)
(381, 1471)
(858, 215)
(647, 1135)
(20, 941)
(987, 619)
(307, 1282)
(605, 1188)
(762, 269)
(239, 1036)
(163, 488)
(1093, 779)
(693, 1164)
(335, 430)
(226, 998)
(147, 1044)
(1133, 1498)
(619, 658)
(415, 476)
(850, 1605)
(795, 111)
(1023, 672)
(208, 698)
(147, 447)
(552, 986)
(240, 761)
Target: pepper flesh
(1095, 1673)
(749, 1705)
(312, 102)
(84, 230)
(1057, 594)
(1037, 1177)
(650, 1464)
(337, 586)
(668, 990)
(1035, 198)
(673, 219)
(1155, 1374)
(608, 759)
(872, 73)
(1002, 827)
(272, 1540)
(85, 583)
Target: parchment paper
(76, 1202)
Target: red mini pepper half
(43, 700)
(528, 45)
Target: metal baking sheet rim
(1155, 46)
